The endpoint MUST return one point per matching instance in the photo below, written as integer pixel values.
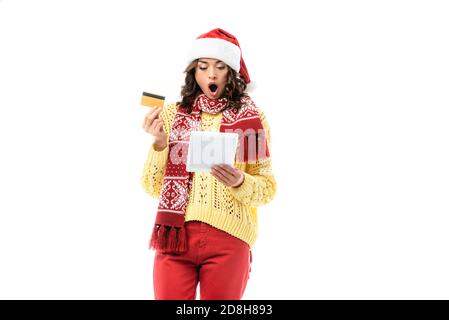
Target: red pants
(220, 262)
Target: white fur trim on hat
(215, 48)
(250, 87)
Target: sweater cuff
(158, 156)
(245, 189)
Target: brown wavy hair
(234, 89)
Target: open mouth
(213, 88)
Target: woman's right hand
(155, 126)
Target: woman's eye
(205, 68)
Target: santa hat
(220, 44)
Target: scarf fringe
(169, 239)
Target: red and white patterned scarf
(169, 232)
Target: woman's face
(211, 75)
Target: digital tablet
(210, 148)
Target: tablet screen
(210, 148)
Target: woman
(207, 221)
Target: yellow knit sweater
(231, 209)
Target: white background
(356, 93)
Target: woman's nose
(212, 74)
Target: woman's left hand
(229, 176)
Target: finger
(149, 123)
(148, 129)
(233, 174)
(146, 118)
(160, 126)
(161, 121)
(216, 176)
(153, 114)
(223, 171)
(229, 173)
(153, 109)
(231, 170)
(224, 176)
(147, 126)
(149, 113)
(153, 126)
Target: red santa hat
(220, 44)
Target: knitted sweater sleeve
(156, 161)
(259, 185)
